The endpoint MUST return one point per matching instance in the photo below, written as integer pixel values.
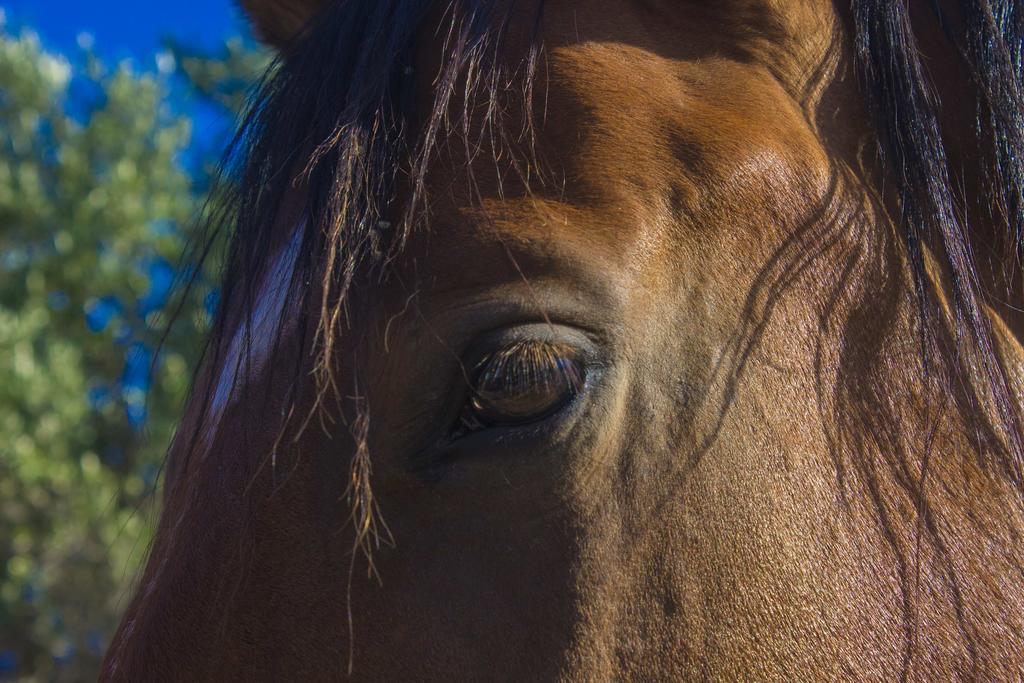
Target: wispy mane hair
(986, 37)
(336, 129)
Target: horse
(607, 340)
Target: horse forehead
(646, 128)
(631, 140)
(678, 64)
(631, 117)
(785, 36)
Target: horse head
(608, 340)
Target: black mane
(987, 37)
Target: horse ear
(278, 23)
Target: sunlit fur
(803, 460)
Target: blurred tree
(95, 208)
(223, 79)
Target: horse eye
(522, 383)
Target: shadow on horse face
(642, 400)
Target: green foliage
(223, 79)
(95, 205)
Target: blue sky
(137, 29)
(126, 28)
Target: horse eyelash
(533, 357)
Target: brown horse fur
(795, 452)
(280, 22)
